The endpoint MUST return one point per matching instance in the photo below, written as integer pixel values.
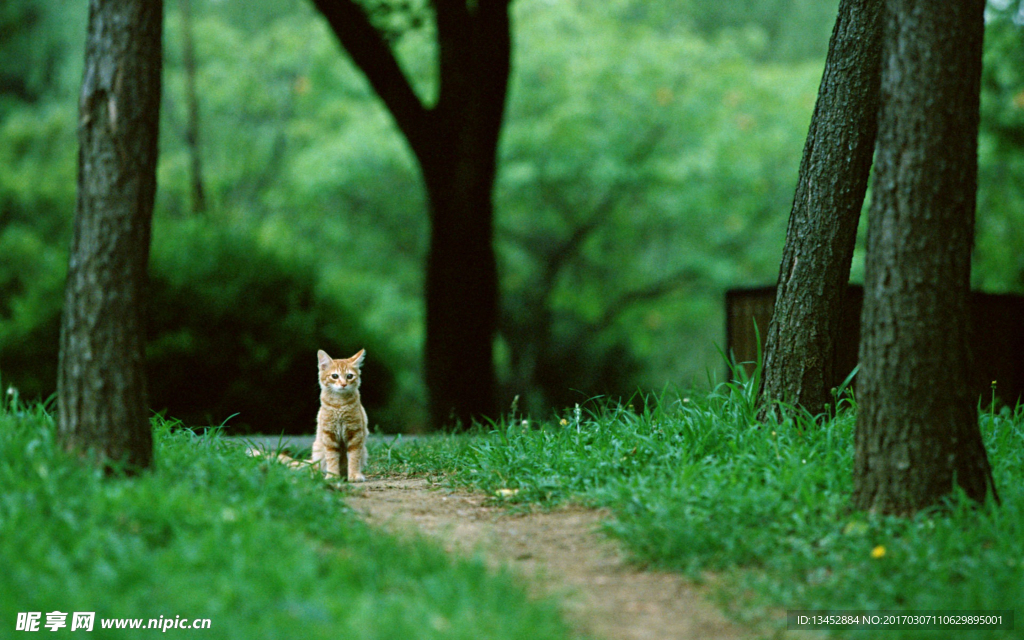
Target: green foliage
(259, 550)
(647, 164)
(784, 30)
(697, 484)
(37, 186)
(634, 189)
(998, 261)
(39, 42)
(31, 295)
(37, 200)
(234, 329)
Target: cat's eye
(350, 375)
(334, 375)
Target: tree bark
(462, 306)
(917, 429)
(800, 344)
(101, 385)
(455, 143)
(462, 275)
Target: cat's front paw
(357, 478)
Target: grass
(698, 485)
(259, 550)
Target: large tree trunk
(459, 164)
(461, 301)
(101, 385)
(455, 142)
(800, 353)
(917, 429)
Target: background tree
(188, 58)
(455, 141)
(917, 429)
(101, 384)
(618, 224)
(799, 352)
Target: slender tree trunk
(192, 106)
(917, 428)
(800, 345)
(101, 385)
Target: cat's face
(340, 376)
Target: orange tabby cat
(341, 425)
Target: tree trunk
(455, 142)
(101, 386)
(917, 428)
(192, 107)
(459, 164)
(461, 300)
(800, 345)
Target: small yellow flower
(878, 552)
(506, 493)
(564, 422)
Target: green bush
(235, 329)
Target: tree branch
(371, 53)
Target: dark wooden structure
(997, 327)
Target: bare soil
(560, 553)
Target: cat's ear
(323, 358)
(357, 360)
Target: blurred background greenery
(647, 164)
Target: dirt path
(562, 552)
